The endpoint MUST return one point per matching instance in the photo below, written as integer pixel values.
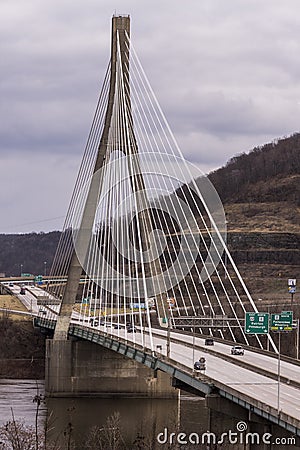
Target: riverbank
(22, 350)
(25, 368)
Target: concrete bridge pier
(77, 368)
(251, 431)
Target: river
(138, 417)
(16, 397)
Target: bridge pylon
(118, 114)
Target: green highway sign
(282, 321)
(257, 323)
(26, 275)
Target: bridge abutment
(76, 368)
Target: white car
(237, 350)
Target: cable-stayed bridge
(143, 249)
(143, 224)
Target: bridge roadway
(261, 387)
(263, 362)
(224, 373)
(257, 361)
(229, 371)
(28, 299)
(256, 392)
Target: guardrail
(15, 311)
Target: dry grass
(277, 217)
(12, 302)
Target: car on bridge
(94, 321)
(132, 329)
(209, 341)
(237, 350)
(201, 364)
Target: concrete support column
(81, 368)
(58, 370)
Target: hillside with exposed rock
(261, 196)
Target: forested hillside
(270, 173)
(261, 196)
(27, 252)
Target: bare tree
(16, 435)
(108, 437)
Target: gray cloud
(225, 73)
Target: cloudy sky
(226, 74)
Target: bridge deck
(255, 391)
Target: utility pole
(193, 341)
(278, 376)
(168, 339)
(297, 339)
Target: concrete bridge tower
(120, 26)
